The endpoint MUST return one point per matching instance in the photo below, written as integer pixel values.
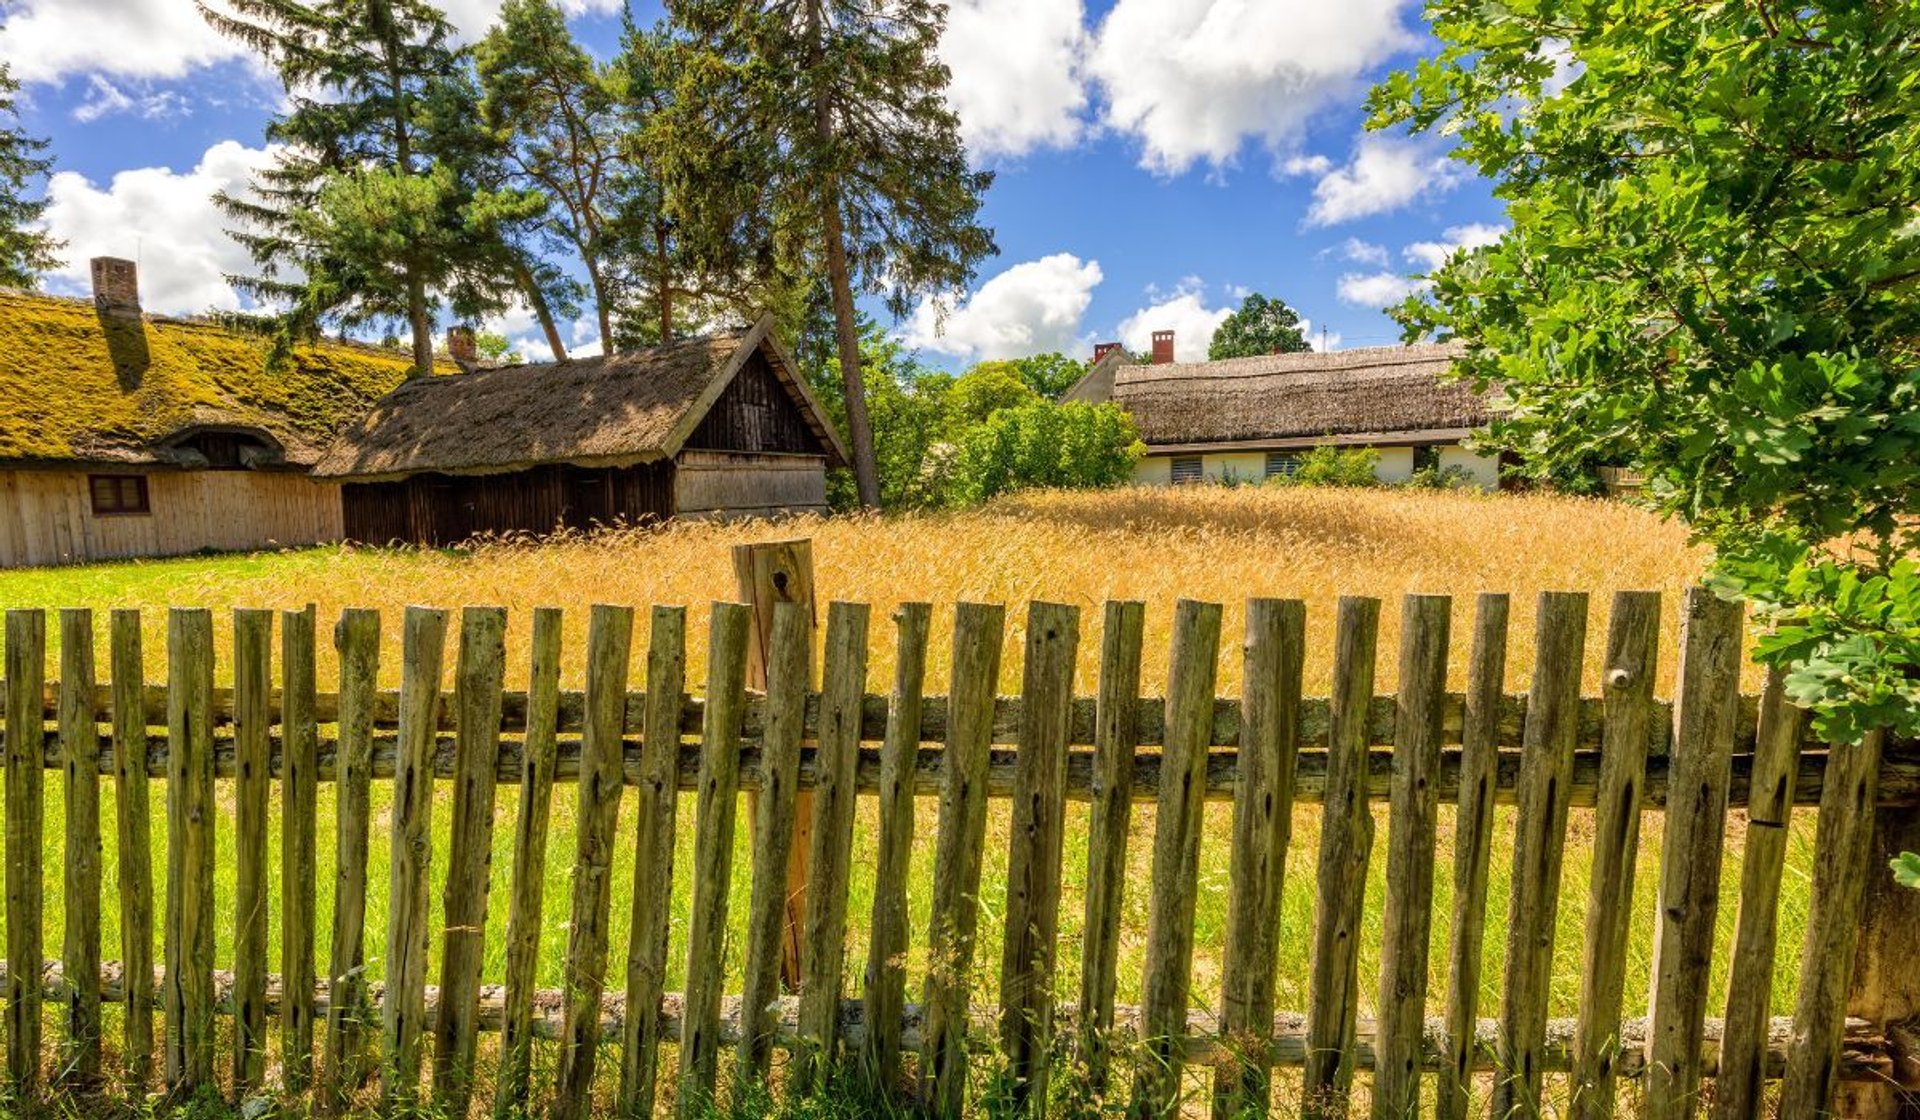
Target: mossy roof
(78, 386)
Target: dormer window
(221, 448)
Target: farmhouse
(720, 426)
(1248, 419)
(124, 434)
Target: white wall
(1395, 465)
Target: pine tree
(821, 128)
(362, 218)
(24, 250)
(553, 114)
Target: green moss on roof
(75, 386)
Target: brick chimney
(1102, 349)
(1162, 348)
(116, 286)
(461, 346)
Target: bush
(1333, 466)
(1044, 444)
(1442, 478)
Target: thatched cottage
(124, 434)
(710, 427)
(1248, 419)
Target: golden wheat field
(1153, 545)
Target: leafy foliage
(1333, 466)
(24, 250)
(1259, 326)
(985, 390)
(1906, 869)
(1711, 275)
(1042, 444)
(1050, 374)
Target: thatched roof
(78, 386)
(610, 411)
(1373, 394)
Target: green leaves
(1260, 326)
(1709, 276)
(1906, 869)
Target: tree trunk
(859, 432)
(538, 302)
(603, 313)
(846, 327)
(422, 325)
(663, 283)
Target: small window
(1426, 458)
(1186, 468)
(117, 495)
(1282, 463)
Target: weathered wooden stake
(26, 683)
(888, 935)
(609, 649)
(403, 1012)
(529, 866)
(476, 696)
(190, 817)
(132, 815)
(766, 573)
(80, 758)
(299, 794)
(1178, 817)
(252, 716)
(349, 1012)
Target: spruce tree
(360, 219)
(24, 250)
(820, 129)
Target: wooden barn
(124, 434)
(721, 426)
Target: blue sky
(1156, 159)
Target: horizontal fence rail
(808, 745)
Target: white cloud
(1315, 165)
(166, 219)
(1363, 252)
(1030, 308)
(1377, 289)
(1017, 82)
(1430, 255)
(1384, 174)
(1185, 313)
(104, 99)
(1194, 79)
(47, 40)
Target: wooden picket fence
(333, 1033)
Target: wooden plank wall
(46, 516)
(1258, 752)
(731, 484)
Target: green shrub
(1044, 444)
(1442, 478)
(1333, 466)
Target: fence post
(1886, 973)
(770, 572)
(26, 685)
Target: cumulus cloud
(1377, 289)
(1193, 80)
(1029, 308)
(1185, 313)
(47, 40)
(1383, 175)
(165, 218)
(1017, 73)
(1430, 255)
(1363, 252)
